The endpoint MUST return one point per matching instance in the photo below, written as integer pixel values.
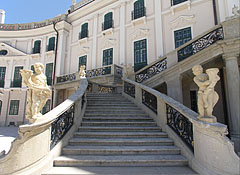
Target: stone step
(117, 118)
(121, 141)
(120, 129)
(134, 123)
(103, 94)
(120, 150)
(107, 99)
(113, 107)
(115, 115)
(119, 134)
(143, 170)
(100, 105)
(121, 160)
(109, 102)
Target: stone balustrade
(205, 145)
(33, 25)
(39, 143)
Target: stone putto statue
(82, 72)
(207, 96)
(38, 92)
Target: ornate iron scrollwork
(98, 72)
(106, 89)
(61, 126)
(151, 71)
(181, 125)
(202, 43)
(149, 100)
(129, 89)
(64, 78)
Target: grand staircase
(118, 138)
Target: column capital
(230, 56)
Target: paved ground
(7, 135)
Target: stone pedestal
(233, 93)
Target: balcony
(138, 13)
(107, 25)
(83, 34)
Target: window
(49, 71)
(175, 2)
(47, 107)
(51, 43)
(140, 54)
(17, 79)
(3, 52)
(182, 36)
(107, 57)
(37, 46)
(14, 106)
(2, 76)
(84, 31)
(139, 9)
(0, 107)
(82, 61)
(193, 97)
(32, 68)
(108, 21)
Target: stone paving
(7, 135)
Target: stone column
(233, 93)
(94, 47)
(43, 49)
(174, 88)
(122, 33)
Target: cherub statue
(82, 72)
(235, 11)
(38, 93)
(207, 96)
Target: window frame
(2, 81)
(82, 64)
(133, 10)
(49, 47)
(40, 47)
(112, 21)
(81, 34)
(106, 49)
(133, 53)
(15, 82)
(48, 77)
(12, 111)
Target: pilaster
(174, 88)
(122, 33)
(94, 47)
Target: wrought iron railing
(83, 34)
(65, 78)
(138, 13)
(61, 126)
(98, 72)
(175, 2)
(181, 125)
(106, 89)
(200, 44)
(107, 25)
(149, 100)
(129, 89)
(151, 71)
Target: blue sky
(24, 11)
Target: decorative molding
(182, 21)
(108, 42)
(140, 33)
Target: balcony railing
(107, 25)
(83, 34)
(113, 70)
(138, 13)
(185, 51)
(16, 83)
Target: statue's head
(38, 67)
(197, 69)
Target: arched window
(84, 31)
(37, 46)
(108, 21)
(3, 52)
(51, 43)
(138, 10)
